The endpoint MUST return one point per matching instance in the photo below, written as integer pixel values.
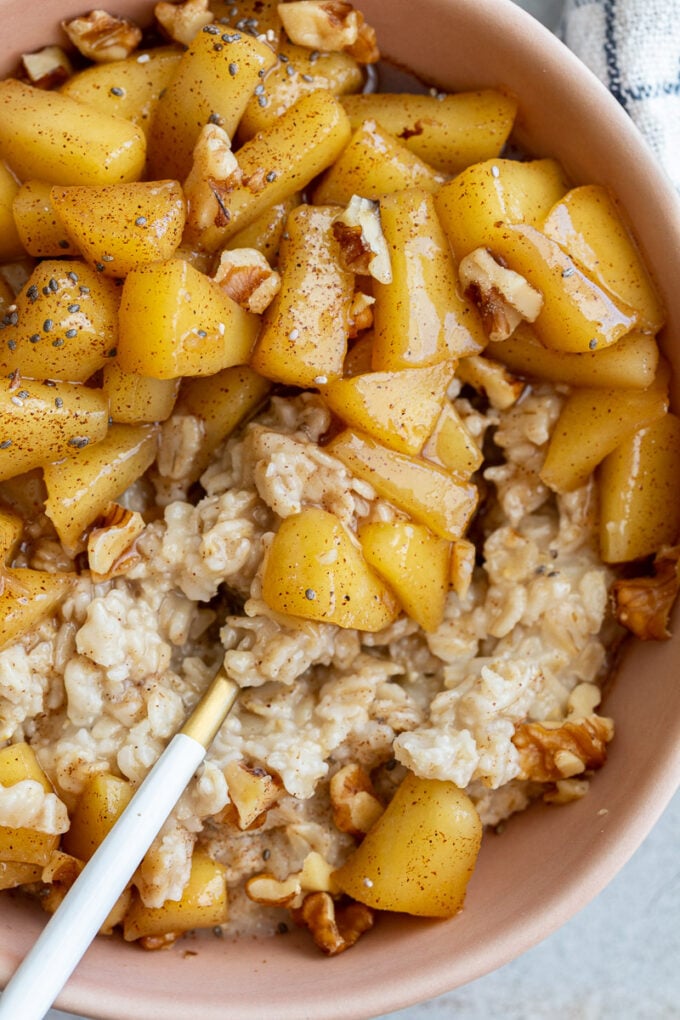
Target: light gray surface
(618, 959)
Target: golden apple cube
(415, 564)
(41, 422)
(18, 763)
(630, 363)
(51, 137)
(11, 245)
(66, 323)
(372, 164)
(222, 402)
(449, 132)
(397, 408)
(15, 873)
(29, 596)
(451, 444)
(137, 399)
(208, 84)
(41, 230)
(203, 904)
(122, 226)
(473, 205)
(99, 806)
(420, 318)
(577, 314)
(426, 492)
(592, 423)
(127, 88)
(639, 509)
(420, 854)
(587, 224)
(314, 570)
(191, 327)
(79, 488)
(304, 332)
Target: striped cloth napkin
(633, 46)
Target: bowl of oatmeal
(414, 544)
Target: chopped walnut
(47, 68)
(643, 604)
(355, 805)
(552, 751)
(214, 172)
(463, 556)
(248, 279)
(253, 791)
(103, 37)
(111, 543)
(273, 892)
(491, 378)
(360, 313)
(152, 943)
(566, 791)
(181, 22)
(334, 927)
(363, 248)
(329, 25)
(504, 298)
(316, 875)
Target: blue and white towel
(633, 46)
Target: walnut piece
(355, 805)
(103, 37)
(491, 378)
(248, 279)
(47, 68)
(360, 313)
(643, 604)
(253, 791)
(363, 248)
(329, 25)
(334, 927)
(504, 297)
(316, 875)
(552, 751)
(181, 22)
(110, 544)
(214, 172)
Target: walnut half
(334, 927)
(548, 752)
(355, 805)
(102, 37)
(504, 297)
(643, 604)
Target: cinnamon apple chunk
(577, 314)
(592, 423)
(102, 801)
(121, 226)
(203, 904)
(397, 408)
(303, 340)
(27, 597)
(587, 224)
(79, 488)
(637, 482)
(41, 422)
(191, 327)
(420, 854)
(313, 569)
(65, 324)
(426, 492)
(415, 564)
(421, 317)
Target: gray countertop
(619, 958)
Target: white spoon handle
(64, 940)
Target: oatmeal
(376, 470)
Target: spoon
(67, 935)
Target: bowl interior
(548, 862)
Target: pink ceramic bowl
(549, 862)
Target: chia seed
(5, 444)
(140, 221)
(233, 70)
(70, 333)
(79, 442)
(116, 90)
(48, 324)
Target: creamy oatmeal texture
(104, 684)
